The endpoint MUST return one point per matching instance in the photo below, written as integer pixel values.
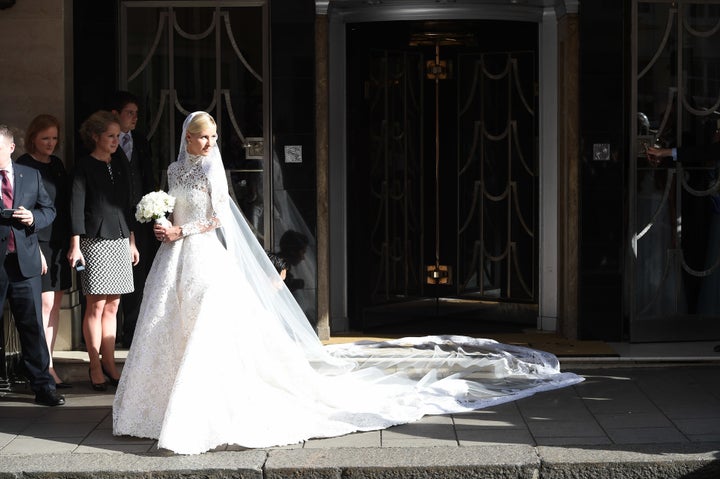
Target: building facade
(429, 166)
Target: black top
(100, 203)
(57, 184)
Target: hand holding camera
(7, 212)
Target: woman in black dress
(102, 240)
(41, 142)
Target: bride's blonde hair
(199, 122)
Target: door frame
(339, 15)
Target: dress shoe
(49, 398)
(97, 386)
(111, 379)
(63, 385)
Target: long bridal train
(234, 366)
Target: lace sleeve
(214, 185)
(200, 226)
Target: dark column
(321, 135)
(568, 177)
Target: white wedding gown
(222, 356)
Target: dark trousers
(24, 296)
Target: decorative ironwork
(395, 95)
(212, 55)
(495, 241)
(497, 197)
(10, 352)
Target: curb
(658, 461)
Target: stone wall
(37, 77)
(36, 64)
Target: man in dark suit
(136, 153)
(27, 207)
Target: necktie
(7, 201)
(125, 144)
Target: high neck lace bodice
(189, 184)
(193, 159)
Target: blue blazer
(28, 192)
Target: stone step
(492, 461)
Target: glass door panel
(675, 216)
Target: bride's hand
(160, 232)
(167, 234)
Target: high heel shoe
(111, 379)
(97, 386)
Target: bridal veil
(487, 372)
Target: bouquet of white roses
(154, 206)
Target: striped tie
(7, 201)
(125, 144)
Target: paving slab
(241, 465)
(667, 461)
(490, 462)
(636, 422)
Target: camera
(7, 212)
(79, 266)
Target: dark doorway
(442, 177)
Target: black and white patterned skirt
(108, 266)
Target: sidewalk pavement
(642, 414)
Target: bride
(223, 354)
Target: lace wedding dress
(222, 354)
